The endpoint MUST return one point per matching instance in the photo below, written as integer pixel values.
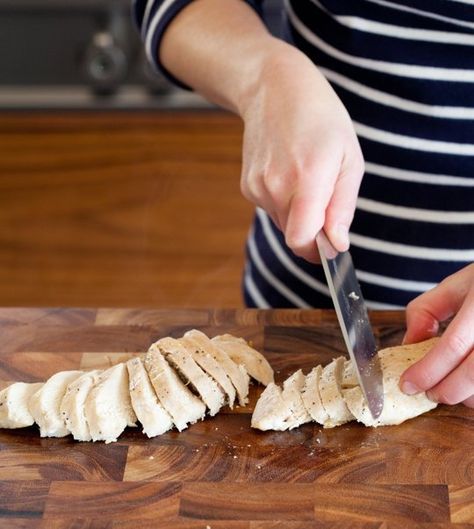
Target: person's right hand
(302, 161)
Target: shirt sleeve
(152, 17)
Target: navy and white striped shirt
(405, 72)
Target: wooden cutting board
(221, 474)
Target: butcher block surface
(219, 473)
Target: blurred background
(116, 188)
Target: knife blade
(354, 321)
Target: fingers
(452, 350)
(340, 211)
(328, 201)
(424, 313)
(458, 386)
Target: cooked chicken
(281, 410)
(14, 411)
(312, 397)
(211, 366)
(44, 404)
(183, 362)
(72, 405)
(398, 407)
(108, 407)
(153, 417)
(156, 389)
(331, 394)
(236, 373)
(271, 411)
(243, 354)
(183, 407)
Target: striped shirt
(404, 70)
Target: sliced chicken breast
(398, 407)
(237, 373)
(211, 366)
(312, 398)
(44, 404)
(14, 399)
(183, 407)
(242, 353)
(152, 415)
(278, 409)
(271, 411)
(108, 406)
(331, 394)
(292, 389)
(72, 405)
(183, 362)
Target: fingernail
(431, 396)
(410, 389)
(343, 236)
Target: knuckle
(446, 397)
(456, 346)
(276, 185)
(294, 242)
(425, 379)
(249, 187)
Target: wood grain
(219, 472)
(121, 209)
(260, 501)
(113, 500)
(25, 499)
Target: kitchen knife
(353, 320)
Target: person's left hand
(446, 373)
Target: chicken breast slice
(183, 362)
(108, 407)
(292, 390)
(278, 409)
(312, 398)
(152, 415)
(242, 353)
(14, 410)
(331, 394)
(271, 411)
(72, 405)
(398, 407)
(211, 366)
(183, 407)
(44, 404)
(237, 373)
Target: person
(374, 88)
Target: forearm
(220, 48)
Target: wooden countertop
(126, 209)
(219, 473)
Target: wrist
(276, 59)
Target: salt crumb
(353, 296)
(151, 457)
(235, 457)
(259, 467)
(208, 527)
(318, 441)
